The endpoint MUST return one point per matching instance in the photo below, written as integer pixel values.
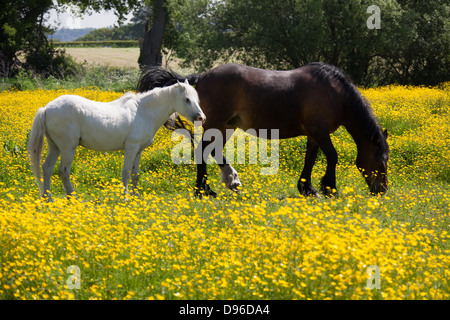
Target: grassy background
(104, 68)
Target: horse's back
(73, 120)
(81, 109)
(64, 111)
(248, 97)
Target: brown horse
(314, 100)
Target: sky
(68, 19)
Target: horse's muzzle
(379, 187)
(200, 117)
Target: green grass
(92, 76)
(267, 242)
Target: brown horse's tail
(158, 77)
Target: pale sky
(68, 19)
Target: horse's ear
(186, 81)
(385, 134)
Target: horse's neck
(360, 122)
(159, 104)
(359, 138)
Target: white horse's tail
(35, 146)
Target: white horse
(128, 123)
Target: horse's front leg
(321, 137)
(201, 186)
(304, 184)
(228, 175)
(328, 182)
(131, 152)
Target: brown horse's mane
(157, 77)
(360, 108)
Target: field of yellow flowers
(267, 242)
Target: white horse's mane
(154, 94)
(157, 93)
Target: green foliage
(97, 76)
(411, 46)
(23, 36)
(66, 34)
(126, 32)
(52, 62)
(21, 29)
(120, 7)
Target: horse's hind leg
(47, 167)
(65, 168)
(135, 173)
(131, 153)
(304, 182)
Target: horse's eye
(188, 101)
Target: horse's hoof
(48, 197)
(330, 192)
(311, 194)
(199, 193)
(308, 190)
(210, 193)
(72, 197)
(236, 187)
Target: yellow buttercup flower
(266, 242)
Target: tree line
(411, 44)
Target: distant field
(115, 57)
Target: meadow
(119, 57)
(266, 242)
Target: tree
(151, 46)
(411, 47)
(417, 47)
(120, 7)
(22, 29)
(152, 43)
(22, 32)
(277, 34)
